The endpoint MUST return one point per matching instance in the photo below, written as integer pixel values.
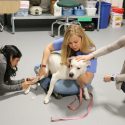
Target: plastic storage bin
(91, 4)
(79, 11)
(67, 11)
(104, 14)
(91, 11)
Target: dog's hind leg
(86, 93)
(51, 87)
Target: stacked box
(116, 20)
(91, 3)
(24, 8)
(91, 11)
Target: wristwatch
(112, 78)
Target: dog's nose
(71, 75)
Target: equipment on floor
(89, 26)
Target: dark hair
(10, 51)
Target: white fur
(63, 72)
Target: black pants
(123, 87)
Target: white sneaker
(26, 91)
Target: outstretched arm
(104, 50)
(45, 57)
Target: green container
(84, 19)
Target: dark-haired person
(9, 58)
(119, 78)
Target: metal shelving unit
(50, 16)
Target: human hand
(107, 78)
(42, 72)
(25, 85)
(84, 57)
(30, 78)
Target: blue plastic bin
(67, 11)
(79, 11)
(104, 14)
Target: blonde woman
(75, 42)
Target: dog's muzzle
(71, 75)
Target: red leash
(71, 106)
(74, 108)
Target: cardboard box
(24, 4)
(9, 6)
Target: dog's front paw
(26, 91)
(35, 86)
(87, 97)
(46, 100)
(86, 94)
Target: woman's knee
(66, 87)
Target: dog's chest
(63, 72)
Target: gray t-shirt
(10, 85)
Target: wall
(118, 3)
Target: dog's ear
(70, 58)
(68, 61)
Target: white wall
(118, 3)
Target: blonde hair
(86, 44)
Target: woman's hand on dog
(84, 57)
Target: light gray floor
(20, 109)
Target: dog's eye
(78, 68)
(70, 65)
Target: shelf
(50, 16)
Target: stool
(65, 21)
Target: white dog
(59, 71)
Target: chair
(68, 4)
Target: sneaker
(57, 95)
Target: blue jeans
(65, 87)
